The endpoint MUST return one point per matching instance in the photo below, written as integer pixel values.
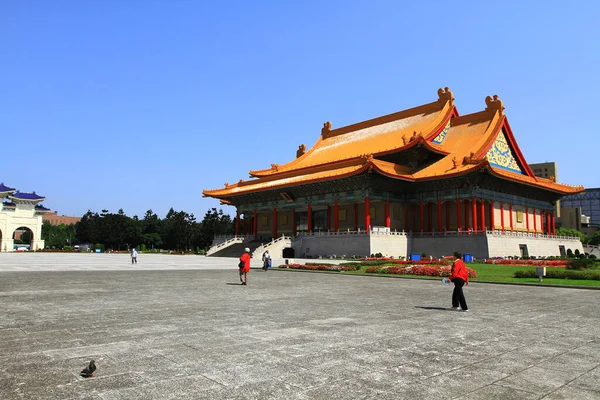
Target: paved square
(181, 327)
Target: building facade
(423, 180)
(18, 211)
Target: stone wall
(440, 246)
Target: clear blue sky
(143, 104)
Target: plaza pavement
(181, 327)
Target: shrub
(580, 263)
(561, 274)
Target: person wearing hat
(244, 266)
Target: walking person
(460, 277)
(244, 266)
(266, 258)
(134, 255)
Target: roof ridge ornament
(326, 129)
(275, 167)
(301, 150)
(494, 104)
(445, 95)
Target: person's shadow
(236, 284)
(435, 308)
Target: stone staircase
(236, 249)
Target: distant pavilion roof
(5, 189)
(26, 196)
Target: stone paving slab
(181, 327)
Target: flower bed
(322, 267)
(416, 270)
(560, 274)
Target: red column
(547, 222)
(406, 217)
(430, 217)
(534, 220)
(294, 223)
(367, 214)
(458, 222)
(328, 218)
(474, 205)
(356, 217)
(336, 216)
(510, 215)
(237, 222)
(447, 215)
(492, 216)
(553, 224)
(439, 215)
(309, 222)
(274, 223)
(502, 215)
(527, 218)
(255, 223)
(467, 219)
(422, 216)
(482, 215)
(387, 214)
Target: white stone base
(482, 245)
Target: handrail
(227, 243)
(264, 246)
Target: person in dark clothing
(460, 277)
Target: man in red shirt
(460, 277)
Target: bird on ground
(88, 371)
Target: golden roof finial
(494, 104)
(445, 95)
(326, 128)
(301, 150)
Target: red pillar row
(534, 220)
(474, 206)
(387, 214)
(439, 208)
(367, 214)
(482, 215)
(492, 215)
(510, 216)
(502, 215)
(430, 217)
(422, 216)
(467, 219)
(458, 218)
(336, 216)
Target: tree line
(179, 231)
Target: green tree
(214, 223)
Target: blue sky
(143, 104)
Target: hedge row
(560, 274)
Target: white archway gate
(20, 209)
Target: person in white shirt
(266, 258)
(134, 255)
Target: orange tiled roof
(463, 144)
